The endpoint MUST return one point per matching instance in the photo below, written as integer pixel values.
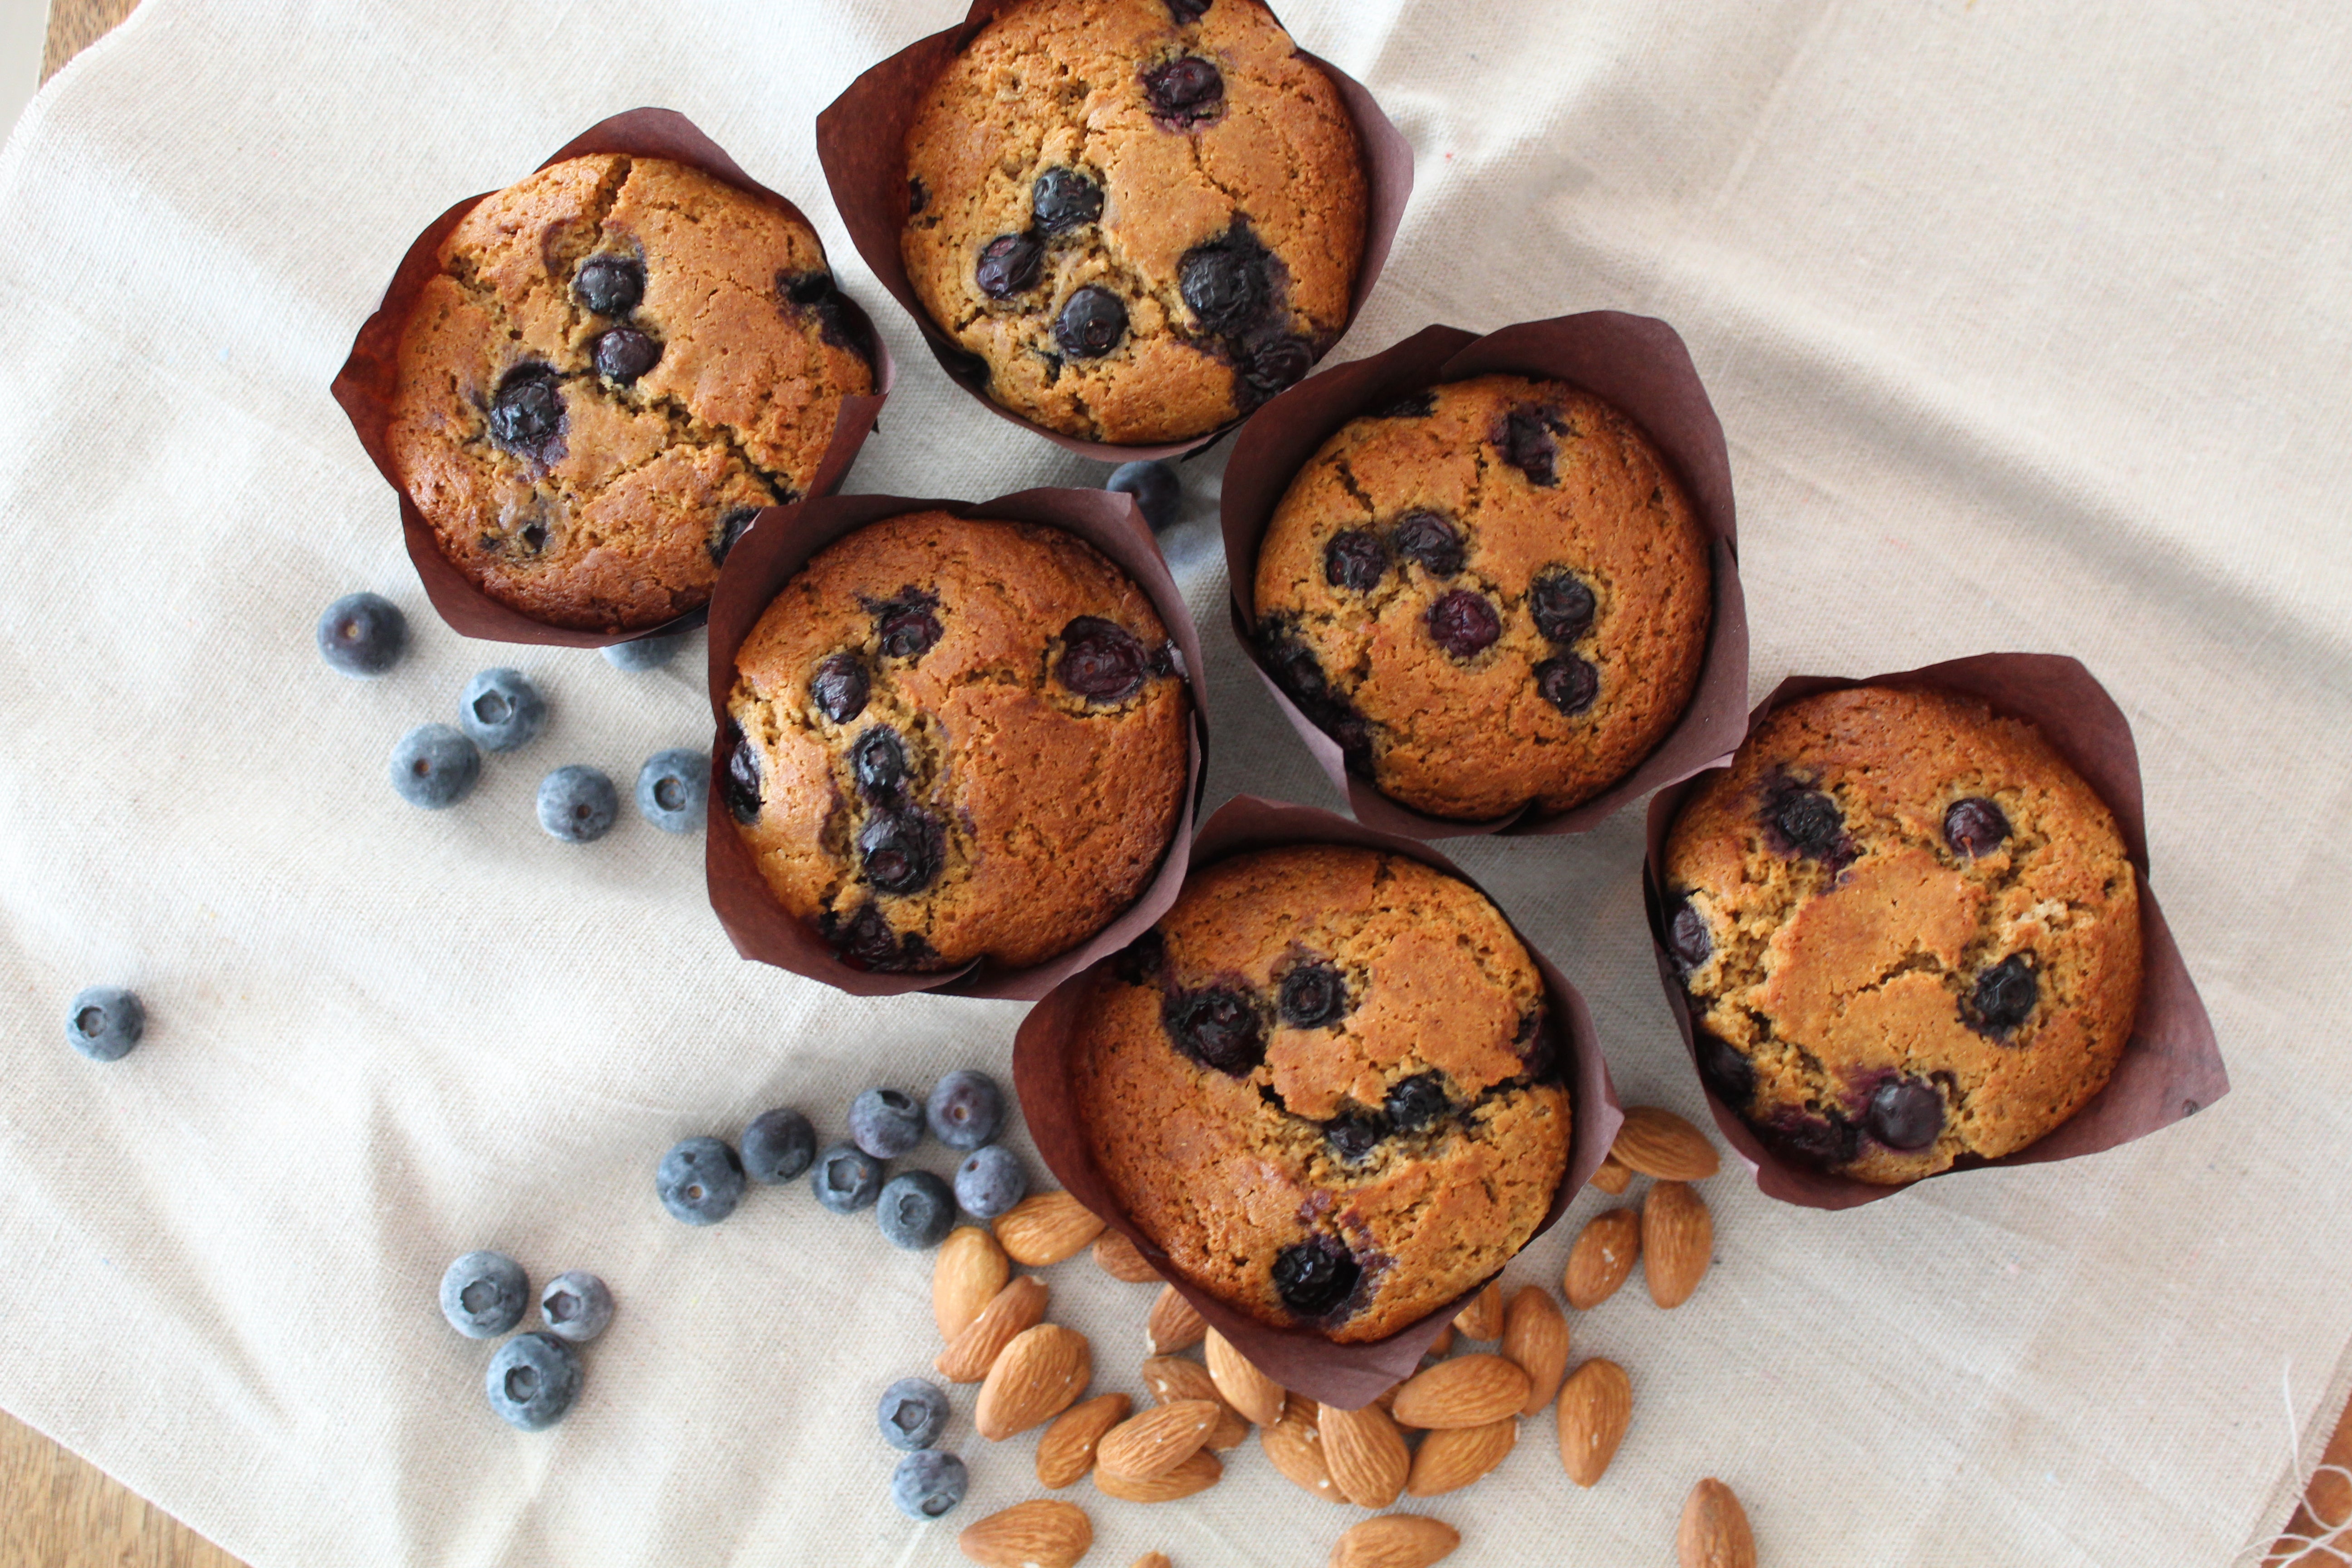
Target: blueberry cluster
(1061, 202)
(700, 1180)
(434, 766)
(534, 1378)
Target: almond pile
(1451, 1422)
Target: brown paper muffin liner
(1302, 1361)
(778, 543)
(861, 140)
(1637, 363)
(369, 382)
(2172, 1067)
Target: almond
(1596, 1405)
(1468, 1391)
(1040, 1533)
(1442, 1342)
(1535, 1336)
(1152, 1559)
(1040, 1374)
(1046, 1228)
(1366, 1453)
(1394, 1541)
(1157, 1441)
(1602, 1257)
(1658, 1143)
(1067, 1451)
(1483, 1318)
(1173, 1377)
(1295, 1444)
(1019, 1305)
(1197, 1474)
(1677, 1240)
(1715, 1532)
(1249, 1390)
(970, 1270)
(1121, 1259)
(1175, 1325)
(1611, 1176)
(1457, 1458)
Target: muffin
(1493, 594)
(1910, 933)
(619, 362)
(1325, 1086)
(953, 739)
(1137, 218)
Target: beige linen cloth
(2029, 327)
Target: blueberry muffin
(620, 360)
(1491, 593)
(1139, 218)
(1909, 933)
(1325, 1084)
(953, 739)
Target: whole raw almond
(1458, 1457)
(971, 1268)
(1158, 1440)
(1046, 1228)
(1295, 1444)
(1535, 1336)
(1197, 1474)
(1152, 1560)
(1715, 1532)
(1677, 1239)
(1366, 1453)
(1043, 1532)
(1441, 1343)
(1067, 1451)
(1611, 1176)
(1596, 1405)
(1175, 1378)
(1394, 1541)
(1659, 1143)
(1483, 1318)
(1173, 1324)
(1249, 1390)
(1602, 1257)
(1019, 1307)
(1467, 1391)
(1118, 1257)
(1040, 1374)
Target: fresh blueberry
(483, 1294)
(1463, 623)
(575, 1305)
(434, 766)
(845, 1178)
(1157, 493)
(1091, 322)
(1355, 560)
(699, 1181)
(1216, 1026)
(989, 1182)
(501, 710)
(1975, 827)
(1430, 543)
(1009, 265)
(674, 789)
(965, 1110)
(1101, 661)
(609, 285)
(927, 1483)
(778, 1145)
(913, 1414)
(104, 1022)
(1314, 1276)
(362, 635)
(577, 804)
(645, 653)
(915, 1211)
(885, 1122)
(1064, 198)
(532, 1381)
(625, 353)
(1569, 683)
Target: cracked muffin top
(1139, 218)
(954, 739)
(1909, 931)
(1491, 593)
(1325, 1086)
(618, 363)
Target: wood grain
(60, 1511)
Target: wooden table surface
(58, 1511)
